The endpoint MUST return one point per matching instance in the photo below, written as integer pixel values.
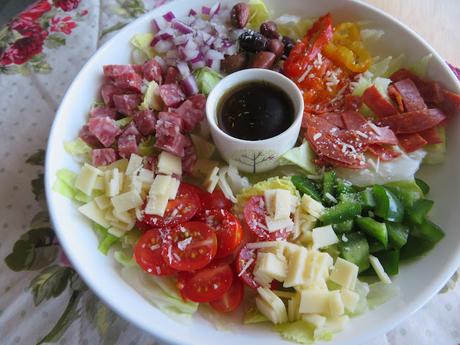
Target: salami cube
(131, 129)
(145, 121)
(172, 144)
(127, 104)
(104, 129)
(88, 137)
(127, 145)
(109, 90)
(190, 158)
(129, 82)
(190, 115)
(171, 118)
(152, 71)
(172, 75)
(103, 156)
(111, 71)
(199, 101)
(171, 94)
(103, 110)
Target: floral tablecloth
(42, 299)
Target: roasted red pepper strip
(309, 47)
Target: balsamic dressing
(255, 111)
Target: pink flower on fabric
(36, 10)
(67, 5)
(65, 25)
(23, 50)
(27, 27)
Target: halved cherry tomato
(179, 210)
(227, 228)
(231, 299)
(147, 254)
(245, 267)
(254, 216)
(205, 285)
(215, 200)
(189, 246)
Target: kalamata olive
(269, 30)
(239, 15)
(275, 46)
(233, 63)
(252, 41)
(262, 60)
(288, 45)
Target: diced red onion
(189, 85)
(214, 9)
(182, 39)
(199, 57)
(198, 64)
(214, 55)
(162, 62)
(233, 49)
(169, 16)
(181, 27)
(163, 46)
(192, 13)
(155, 40)
(159, 24)
(206, 10)
(183, 69)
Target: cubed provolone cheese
(378, 268)
(156, 205)
(116, 231)
(122, 225)
(112, 182)
(311, 206)
(268, 267)
(271, 306)
(124, 217)
(344, 273)
(293, 308)
(145, 176)
(120, 164)
(103, 202)
(336, 306)
(317, 266)
(283, 204)
(296, 267)
(160, 185)
(93, 212)
(269, 198)
(100, 183)
(126, 201)
(224, 186)
(134, 164)
(314, 302)
(350, 300)
(297, 224)
(173, 187)
(278, 224)
(212, 180)
(315, 320)
(324, 236)
(86, 179)
(169, 164)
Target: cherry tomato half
(205, 285)
(179, 210)
(254, 216)
(215, 200)
(189, 246)
(147, 254)
(231, 299)
(227, 228)
(245, 267)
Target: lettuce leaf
(253, 315)
(380, 293)
(123, 122)
(124, 259)
(420, 66)
(142, 43)
(293, 26)
(258, 14)
(64, 184)
(146, 146)
(77, 147)
(106, 240)
(152, 99)
(436, 153)
(299, 331)
(362, 289)
(206, 78)
(301, 156)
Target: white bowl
(418, 281)
(242, 153)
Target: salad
(303, 247)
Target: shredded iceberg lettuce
(299, 331)
(206, 79)
(64, 184)
(141, 42)
(420, 66)
(258, 14)
(253, 315)
(301, 156)
(293, 26)
(77, 147)
(380, 293)
(123, 122)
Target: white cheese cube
(319, 284)
(293, 308)
(224, 186)
(100, 183)
(314, 319)
(93, 212)
(212, 180)
(126, 201)
(271, 306)
(268, 267)
(116, 231)
(134, 164)
(378, 268)
(103, 202)
(317, 266)
(124, 217)
(169, 164)
(204, 149)
(283, 204)
(112, 182)
(203, 167)
(314, 302)
(278, 224)
(344, 273)
(269, 197)
(122, 225)
(350, 300)
(120, 164)
(311, 206)
(157, 205)
(336, 306)
(296, 267)
(297, 224)
(324, 236)
(133, 183)
(160, 185)
(108, 214)
(173, 187)
(86, 179)
(145, 176)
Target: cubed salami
(111, 71)
(172, 75)
(152, 71)
(128, 82)
(145, 121)
(172, 144)
(103, 156)
(127, 145)
(88, 137)
(166, 128)
(127, 104)
(108, 90)
(172, 118)
(190, 115)
(104, 129)
(199, 101)
(171, 94)
(131, 129)
(103, 110)
(189, 159)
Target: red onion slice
(189, 85)
(169, 16)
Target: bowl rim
(386, 323)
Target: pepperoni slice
(335, 119)
(413, 122)
(411, 142)
(431, 135)
(385, 153)
(377, 103)
(353, 120)
(410, 95)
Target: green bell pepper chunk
(366, 198)
(415, 247)
(387, 205)
(423, 186)
(356, 250)
(390, 261)
(343, 211)
(306, 186)
(343, 227)
(419, 210)
(375, 247)
(397, 234)
(344, 187)
(373, 228)
(406, 191)
(329, 181)
(428, 231)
